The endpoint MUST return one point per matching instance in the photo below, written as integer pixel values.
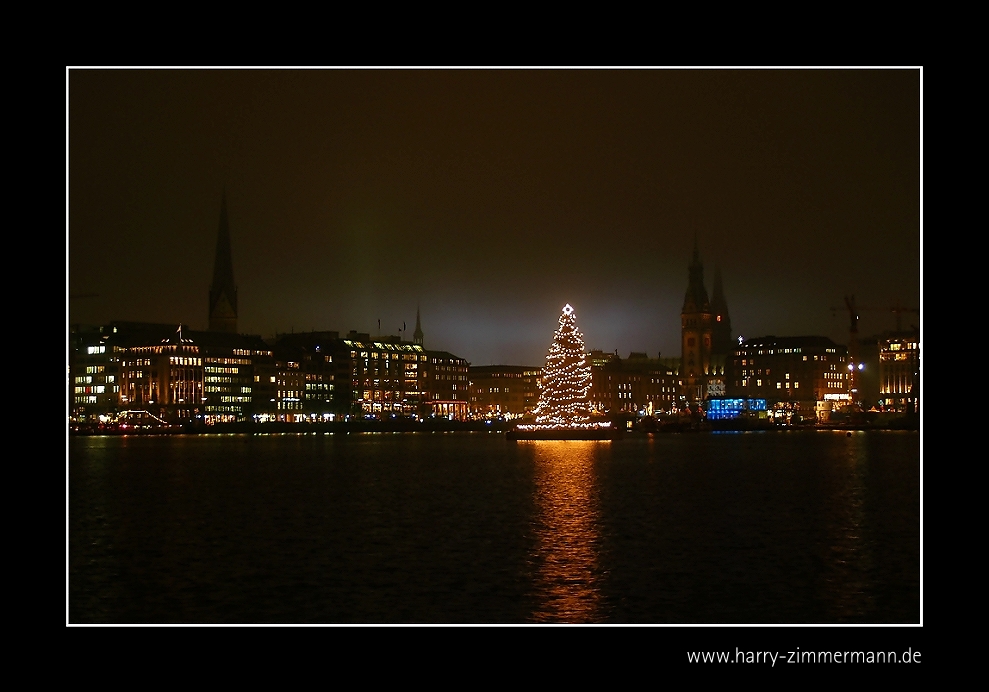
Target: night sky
(491, 198)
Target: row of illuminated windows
(369, 365)
(770, 353)
(628, 387)
(229, 361)
(158, 349)
(382, 346)
(226, 388)
(378, 395)
(182, 360)
(751, 361)
(384, 356)
(779, 385)
(232, 371)
(97, 389)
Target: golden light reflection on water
(567, 580)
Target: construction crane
(853, 311)
(898, 311)
(855, 363)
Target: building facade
(636, 385)
(899, 372)
(503, 390)
(97, 356)
(805, 376)
(357, 375)
(175, 374)
(170, 372)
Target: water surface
(771, 527)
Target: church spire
(695, 331)
(417, 334)
(721, 320)
(223, 290)
(696, 299)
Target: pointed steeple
(721, 341)
(695, 332)
(223, 290)
(417, 334)
(696, 298)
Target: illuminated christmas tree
(566, 377)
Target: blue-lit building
(724, 408)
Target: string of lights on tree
(566, 380)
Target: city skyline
(490, 198)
